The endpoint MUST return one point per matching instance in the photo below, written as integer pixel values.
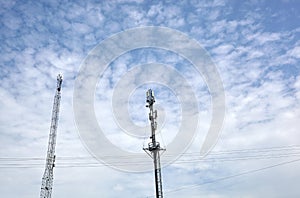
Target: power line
(186, 158)
(61, 164)
(231, 176)
(189, 154)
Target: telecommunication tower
(154, 147)
(47, 180)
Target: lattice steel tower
(47, 180)
(154, 147)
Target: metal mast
(154, 146)
(47, 180)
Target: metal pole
(154, 146)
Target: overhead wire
(220, 152)
(187, 158)
(230, 176)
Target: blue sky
(254, 45)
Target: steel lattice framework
(47, 180)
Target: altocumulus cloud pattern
(254, 46)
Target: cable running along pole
(154, 147)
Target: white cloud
(295, 52)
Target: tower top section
(59, 82)
(150, 98)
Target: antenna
(47, 180)
(154, 147)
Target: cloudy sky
(254, 46)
